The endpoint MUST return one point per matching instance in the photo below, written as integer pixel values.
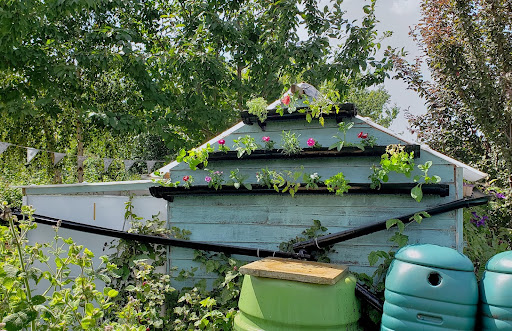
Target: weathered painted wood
(126, 186)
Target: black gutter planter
(496, 293)
(430, 287)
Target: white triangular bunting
(57, 157)
(128, 164)
(150, 165)
(3, 147)
(81, 159)
(31, 153)
(106, 163)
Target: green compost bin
(430, 287)
(291, 304)
(496, 293)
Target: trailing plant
(287, 182)
(325, 104)
(316, 230)
(290, 143)
(195, 157)
(245, 145)
(417, 192)
(215, 179)
(337, 183)
(258, 107)
(395, 159)
(238, 180)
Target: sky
(397, 16)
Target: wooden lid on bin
(299, 271)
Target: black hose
(228, 249)
(338, 237)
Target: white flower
(314, 176)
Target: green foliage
(215, 179)
(337, 183)
(245, 145)
(395, 159)
(238, 179)
(195, 157)
(316, 230)
(290, 143)
(258, 107)
(374, 103)
(343, 127)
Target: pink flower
(221, 142)
(186, 178)
(207, 179)
(286, 100)
(311, 142)
(362, 135)
(235, 268)
(265, 139)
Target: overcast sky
(397, 16)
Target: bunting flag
(3, 147)
(128, 164)
(106, 163)
(31, 153)
(150, 165)
(81, 159)
(57, 157)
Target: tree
(178, 70)
(468, 45)
(374, 103)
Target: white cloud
(402, 7)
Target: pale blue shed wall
(265, 221)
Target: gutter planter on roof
(309, 153)
(168, 193)
(346, 110)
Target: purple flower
(207, 179)
(500, 195)
(477, 220)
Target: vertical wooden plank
(169, 226)
(459, 219)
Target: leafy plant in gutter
(343, 127)
(323, 105)
(238, 179)
(290, 143)
(269, 143)
(417, 192)
(311, 181)
(164, 180)
(337, 183)
(396, 159)
(195, 157)
(245, 145)
(188, 180)
(215, 179)
(258, 107)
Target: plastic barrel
(279, 305)
(496, 293)
(429, 287)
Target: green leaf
(112, 293)
(401, 226)
(38, 299)
(373, 258)
(417, 193)
(391, 222)
(89, 309)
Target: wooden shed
(263, 218)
